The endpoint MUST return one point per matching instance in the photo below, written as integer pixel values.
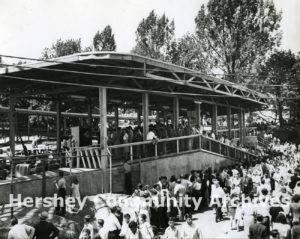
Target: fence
(165, 147)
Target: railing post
(200, 143)
(131, 153)
(155, 148)
(220, 148)
(177, 145)
(235, 153)
(12, 184)
(210, 145)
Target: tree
(236, 34)
(282, 70)
(62, 48)
(154, 36)
(105, 41)
(187, 52)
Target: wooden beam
(116, 116)
(191, 79)
(12, 125)
(175, 112)
(244, 126)
(198, 114)
(214, 118)
(176, 76)
(229, 126)
(208, 85)
(138, 84)
(162, 78)
(240, 117)
(103, 123)
(217, 86)
(227, 88)
(145, 109)
(90, 117)
(58, 126)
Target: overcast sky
(28, 26)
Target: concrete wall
(94, 182)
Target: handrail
(176, 138)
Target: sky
(28, 26)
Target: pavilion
(118, 80)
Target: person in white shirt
(112, 225)
(145, 228)
(171, 232)
(212, 135)
(151, 135)
(102, 232)
(20, 231)
(218, 194)
(179, 193)
(189, 229)
(125, 225)
(133, 232)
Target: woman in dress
(75, 190)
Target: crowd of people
(270, 184)
(270, 179)
(119, 136)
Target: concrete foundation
(97, 181)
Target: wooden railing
(235, 132)
(85, 157)
(169, 146)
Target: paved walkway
(71, 225)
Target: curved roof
(123, 71)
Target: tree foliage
(154, 36)
(188, 52)
(105, 41)
(236, 34)
(62, 48)
(282, 70)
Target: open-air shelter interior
(109, 81)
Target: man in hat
(44, 229)
(20, 230)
